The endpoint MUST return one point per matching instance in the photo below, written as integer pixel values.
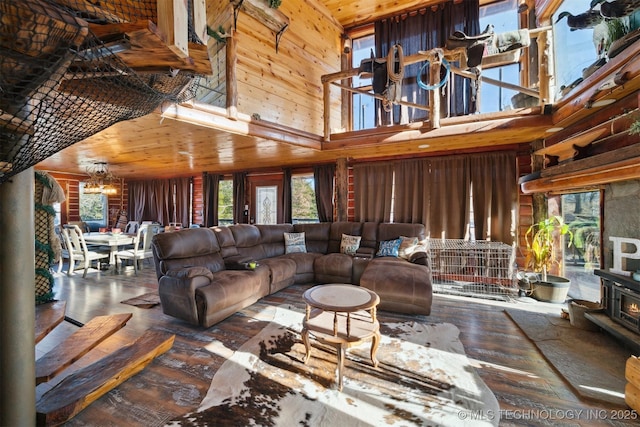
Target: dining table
(113, 240)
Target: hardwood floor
(529, 390)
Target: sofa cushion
(316, 236)
(407, 246)
(226, 241)
(333, 268)
(388, 248)
(402, 286)
(294, 243)
(249, 241)
(349, 244)
(283, 271)
(195, 247)
(340, 228)
(272, 238)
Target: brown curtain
(495, 193)
(448, 189)
(411, 200)
(373, 186)
(150, 200)
(323, 177)
(181, 201)
(210, 188)
(427, 29)
(286, 196)
(239, 190)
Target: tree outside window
(303, 199)
(93, 208)
(225, 202)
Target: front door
(266, 197)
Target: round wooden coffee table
(342, 316)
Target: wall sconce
(346, 43)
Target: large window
(581, 211)
(503, 16)
(362, 106)
(303, 199)
(225, 202)
(93, 209)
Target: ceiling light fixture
(100, 180)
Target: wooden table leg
(375, 341)
(307, 346)
(341, 355)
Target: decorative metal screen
(480, 268)
(61, 83)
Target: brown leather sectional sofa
(203, 274)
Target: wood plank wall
(285, 87)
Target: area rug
(423, 378)
(147, 300)
(592, 362)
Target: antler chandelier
(100, 180)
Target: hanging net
(63, 77)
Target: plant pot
(554, 289)
(577, 309)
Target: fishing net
(62, 77)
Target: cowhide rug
(423, 378)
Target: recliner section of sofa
(203, 275)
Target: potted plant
(542, 254)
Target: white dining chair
(79, 251)
(141, 247)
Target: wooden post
(232, 84)
(346, 97)
(342, 189)
(326, 86)
(173, 23)
(545, 59)
(435, 61)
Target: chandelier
(100, 180)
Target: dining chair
(79, 251)
(64, 252)
(141, 247)
(131, 227)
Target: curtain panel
(150, 201)
(323, 177)
(181, 200)
(494, 183)
(210, 189)
(239, 188)
(424, 30)
(438, 192)
(373, 187)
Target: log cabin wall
(285, 87)
(70, 208)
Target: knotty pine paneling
(285, 87)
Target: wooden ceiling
(159, 146)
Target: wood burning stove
(621, 299)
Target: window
(225, 202)
(93, 208)
(503, 16)
(303, 199)
(362, 106)
(581, 212)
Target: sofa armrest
(237, 262)
(177, 290)
(365, 252)
(190, 272)
(419, 257)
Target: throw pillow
(389, 248)
(349, 244)
(294, 243)
(407, 246)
